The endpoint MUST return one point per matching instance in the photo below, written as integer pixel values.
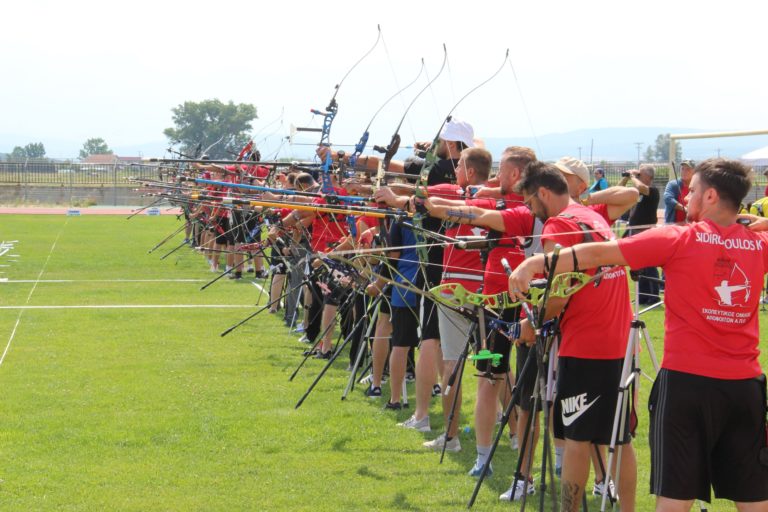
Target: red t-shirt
(326, 227)
(602, 210)
(459, 266)
(518, 222)
(713, 279)
(597, 319)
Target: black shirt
(644, 212)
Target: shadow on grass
(400, 501)
(364, 471)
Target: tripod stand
(629, 374)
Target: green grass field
(150, 409)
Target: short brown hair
(519, 156)
(478, 159)
(730, 178)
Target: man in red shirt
(594, 333)
(708, 404)
(508, 221)
(327, 231)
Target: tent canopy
(757, 157)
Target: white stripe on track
(34, 287)
(131, 306)
(105, 281)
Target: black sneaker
(311, 352)
(236, 275)
(324, 355)
(373, 392)
(392, 406)
(436, 390)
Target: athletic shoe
(477, 470)
(597, 489)
(368, 379)
(410, 377)
(515, 492)
(299, 327)
(421, 425)
(304, 339)
(393, 406)
(324, 355)
(310, 352)
(437, 444)
(373, 392)
(513, 442)
(436, 390)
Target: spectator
(675, 195)
(600, 182)
(644, 215)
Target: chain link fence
(76, 184)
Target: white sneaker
(597, 489)
(437, 444)
(421, 425)
(515, 492)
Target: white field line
(105, 281)
(257, 285)
(130, 306)
(34, 287)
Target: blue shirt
(407, 266)
(600, 184)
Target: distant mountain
(618, 144)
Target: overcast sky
(79, 69)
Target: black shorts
(405, 327)
(237, 226)
(500, 344)
(430, 323)
(385, 308)
(526, 384)
(706, 431)
(587, 391)
(333, 294)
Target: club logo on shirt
(734, 287)
(574, 407)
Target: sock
(558, 457)
(482, 454)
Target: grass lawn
(150, 409)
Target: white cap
(458, 131)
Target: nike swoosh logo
(567, 420)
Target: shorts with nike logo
(587, 390)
